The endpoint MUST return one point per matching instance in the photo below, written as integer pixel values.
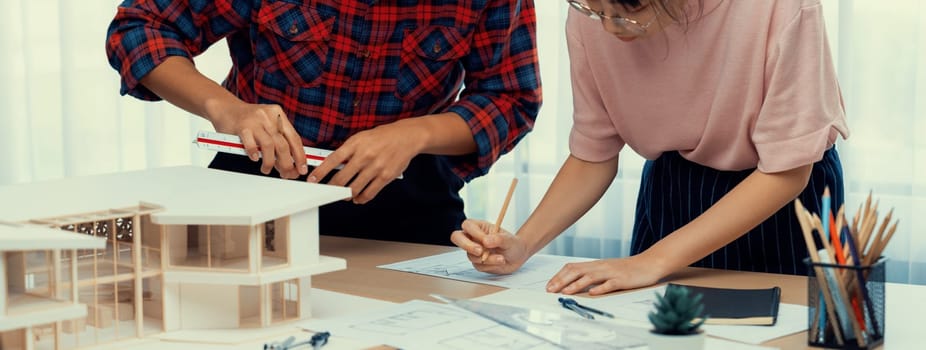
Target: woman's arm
(750, 203)
(576, 188)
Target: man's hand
(372, 159)
(604, 276)
(507, 251)
(264, 129)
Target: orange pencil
(836, 241)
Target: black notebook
(738, 306)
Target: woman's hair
(678, 10)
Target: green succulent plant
(675, 313)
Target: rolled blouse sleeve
(803, 112)
(593, 136)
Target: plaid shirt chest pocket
(292, 42)
(431, 64)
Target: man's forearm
(442, 134)
(177, 81)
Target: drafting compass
(565, 331)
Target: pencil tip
(826, 191)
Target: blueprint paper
(633, 307)
(533, 275)
(425, 325)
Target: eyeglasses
(631, 26)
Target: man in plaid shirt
(379, 81)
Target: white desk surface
(904, 303)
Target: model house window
(275, 242)
(285, 300)
(216, 247)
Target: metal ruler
(565, 331)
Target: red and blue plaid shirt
(338, 67)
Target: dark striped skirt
(674, 191)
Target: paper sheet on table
(634, 306)
(533, 275)
(328, 304)
(426, 325)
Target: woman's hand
(507, 252)
(605, 276)
(266, 133)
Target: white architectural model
(37, 298)
(186, 248)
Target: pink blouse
(749, 84)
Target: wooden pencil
(879, 249)
(501, 216)
(884, 223)
(855, 220)
(869, 221)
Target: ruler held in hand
(227, 143)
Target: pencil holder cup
(845, 305)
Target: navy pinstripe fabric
(675, 190)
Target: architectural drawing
(425, 325)
(533, 275)
(184, 248)
(412, 321)
(493, 338)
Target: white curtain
(61, 115)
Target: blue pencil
(824, 216)
(825, 213)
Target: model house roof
(188, 194)
(15, 237)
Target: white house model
(185, 248)
(35, 290)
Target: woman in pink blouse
(735, 105)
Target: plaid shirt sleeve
(145, 32)
(502, 94)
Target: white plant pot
(676, 342)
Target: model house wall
(38, 299)
(185, 248)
